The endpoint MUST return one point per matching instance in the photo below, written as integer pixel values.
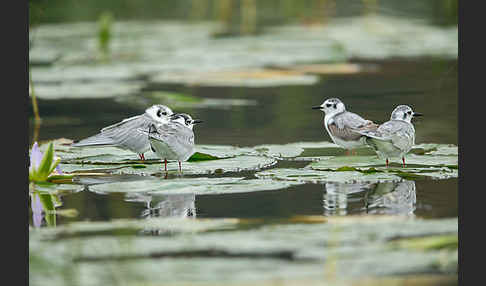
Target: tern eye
(409, 113)
(160, 113)
(328, 104)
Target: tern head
(159, 112)
(331, 106)
(404, 112)
(184, 119)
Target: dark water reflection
(423, 199)
(283, 115)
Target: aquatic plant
(42, 166)
(105, 32)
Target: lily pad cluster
(67, 63)
(302, 249)
(426, 161)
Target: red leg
(180, 167)
(347, 152)
(387, 162)
(142, 156)
(165, 161)
(403, 160)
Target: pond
(277, 206)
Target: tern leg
(387, 162)
(165, 161)
(142, 156)
(347, 152)
(180, 166)
(403, 160)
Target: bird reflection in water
(393, 198)
(165, 206)
(176, 205)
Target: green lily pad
(196, 186)
(424, 161)
(233, 164)
(247, 78)
(53, 188)
(82, 90)
(181, 101)
(292, 150)
(207, 159)
(316, 176)
(201, 157)
(219, 250)
(112, 155)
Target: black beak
(417, 114)
(316, 107)
(197, 121)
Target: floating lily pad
(53, 188)
(435, 149)
(219, 250)
(113, 155)
(292, 149)
(82, 90)
(246, 78)
(180, 101)
(198, 186)
(316, 176)
(115, 160)
(332, 163)
(234, 164)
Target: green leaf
(202, 157)
(54, 165)
(45, 165)
(49, 208)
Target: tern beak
(197, 121)
(417, 114)
(316, 107)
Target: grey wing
(121, 123)
(108, 136)
(348, 125)
(399, 133)
(180, 139)
(126, 134)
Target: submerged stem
(34, 99)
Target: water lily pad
(316, 176)
(292, 149)
(197, 186)
(246, 78)
(83, 90)
(435, 149)
(220, 250)
(233, 164)
(181, 101)
(112, 155)
(54, 188)
(335, 162)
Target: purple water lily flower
(41, 167)
(36, 206)
(35, 157)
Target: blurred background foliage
(244, 16)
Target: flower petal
(35, 157)
(36, 210)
